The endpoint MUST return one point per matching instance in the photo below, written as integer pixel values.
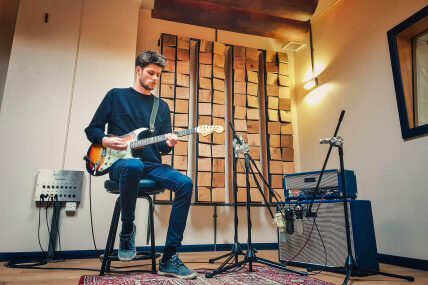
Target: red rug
(260, 276)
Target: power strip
(59, 185)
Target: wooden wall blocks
(168, 78)
(182, 106)
(183, 54)
(253, 101)
(218, 97)
(218, 48)
(218, 84)
(288, 154)
(285, 104)
(180, 162)
(253, 76)
(219, 180)
(205, 46)
(275, 140)
(282, 57)
(241, 180)
(204, 120)
(240, 100)
(288, 167)
(240, 168)
(275, 153)
(253, 139)
(183, 67)
(167, 91)
(218, 195)
(240, 113)
(218, 110)
(251, 53)
(239, 75)
(270, 56)
(218, 60)
(204, 164)
(205, 70)
(205, 96)
(253, 127)
(274, 128)
(218, 165)
(205, 139)
(283, 80)
(205, 83)
(271, 67)
(218, 72)
(275, 167)
(219, 151)
(169, 52)
(218, 122)
(205, 58)
(242, 195)
(204, 194)
(240, 87)
(286, 129)
(273, 115)
(272, 78)
(273, 102)
(204, 179)
(219, 138)
(252, 88)
(170, 66)
(181, 120)
(204, 109)
(204, 150)
(182, 92)
(238, 51)
(169, 40)
(255, 195)
(272, 90)
(240, 125)
(277, 181)
(254, 152)
(284, 92)
(251, 65)
(166, 159)
(170, 103)
(182, 80)
(253, 114)
(183, 43)
(287, 141)
(181, 148)
(285, 116)
(283, 69)
(239, 63)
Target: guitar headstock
(206, 130)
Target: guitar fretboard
(156, 139)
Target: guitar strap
(153, 115)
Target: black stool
(146, 188)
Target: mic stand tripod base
(236, 250)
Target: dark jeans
(128, 172)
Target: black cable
(38, 229)
(92, 223)
(325, 250)
(47, 225)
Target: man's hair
(147, 57)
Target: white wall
(350, 40)
(58, 74)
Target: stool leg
(152, 231)
(111, 238)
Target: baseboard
(403, 261)
(77, 254)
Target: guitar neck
(152, 140)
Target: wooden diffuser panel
(174, 90)
(278, 115)
(210, 178)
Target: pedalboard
(59, 185)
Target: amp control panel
(59, 185)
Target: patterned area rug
(260, 276)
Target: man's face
(148, 77)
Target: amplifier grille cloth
(331, 223)
(329, 179)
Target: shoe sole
(127, 259)
(191, 276)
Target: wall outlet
(70, 207)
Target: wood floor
(58, 275)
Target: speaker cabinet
(331, 224)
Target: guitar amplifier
(302, 185)
(331, 224)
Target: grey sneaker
(176, 268)
(127, 249)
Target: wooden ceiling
(287, 20)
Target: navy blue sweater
(125, 110)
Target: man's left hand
(171, 139)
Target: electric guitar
(99, 158)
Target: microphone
(299, 218)
(289, 221)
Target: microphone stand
(351, 267)
(250, 256)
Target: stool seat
(146, 187)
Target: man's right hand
(115, 143)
